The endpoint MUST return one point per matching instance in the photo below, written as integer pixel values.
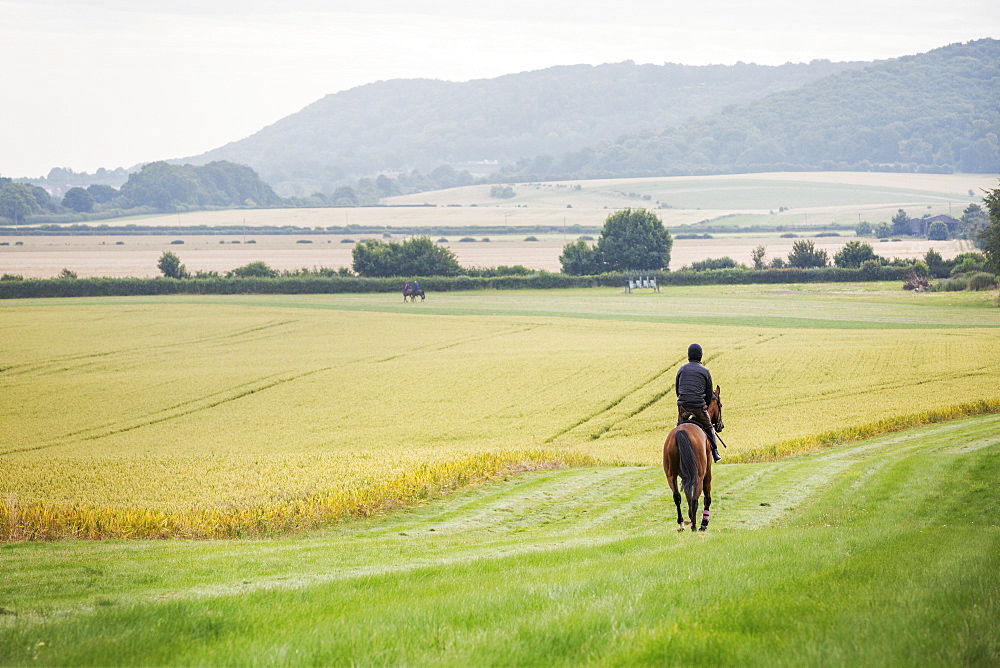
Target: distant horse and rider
(412, 291)
(690, 447)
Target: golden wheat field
(243, 406)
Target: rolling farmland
(479, 482)
(800, 200)
(179, 404)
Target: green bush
(937, 231)
(982, 280)
(256, 269)
(714, 263)
(854, 254)
(956, 284)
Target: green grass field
(883, 553)
(274, 418)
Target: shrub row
(979, 280)
(108, 287)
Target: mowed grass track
(886, 552)
(224, 404)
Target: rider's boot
(715, 448)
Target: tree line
(157, 187)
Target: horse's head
(715, 410)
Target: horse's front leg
(708, 500)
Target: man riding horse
(694, 393)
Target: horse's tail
(689, 468)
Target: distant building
(918, 226)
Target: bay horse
(413, 293)
(687, 452)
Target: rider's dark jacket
(693, 385)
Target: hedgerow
(304, 284)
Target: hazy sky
(111, 83)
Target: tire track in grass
(54, 365)
(613, 403)
(435, 347)
(661, 394)
(234, 393)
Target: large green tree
(414, 257)
(633, 240)
(170, 266)
(579, 259)
(901, 223)
(17, 201)
(991, 235)
(805, 254)
(853, 254)
(974, 220)
(78, 200)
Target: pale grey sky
(111, 83)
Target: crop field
(175, 412)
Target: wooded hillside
(422, 124)
(934, 112)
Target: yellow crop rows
(205, 418)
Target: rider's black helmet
(694, 352)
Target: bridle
(719, 426)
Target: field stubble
(46, 257)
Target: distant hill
(934, 112)
(422, 124)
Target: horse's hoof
(680, 527)
(703, 529)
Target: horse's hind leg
(708, 505)
(677, 502)
(693, 504)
